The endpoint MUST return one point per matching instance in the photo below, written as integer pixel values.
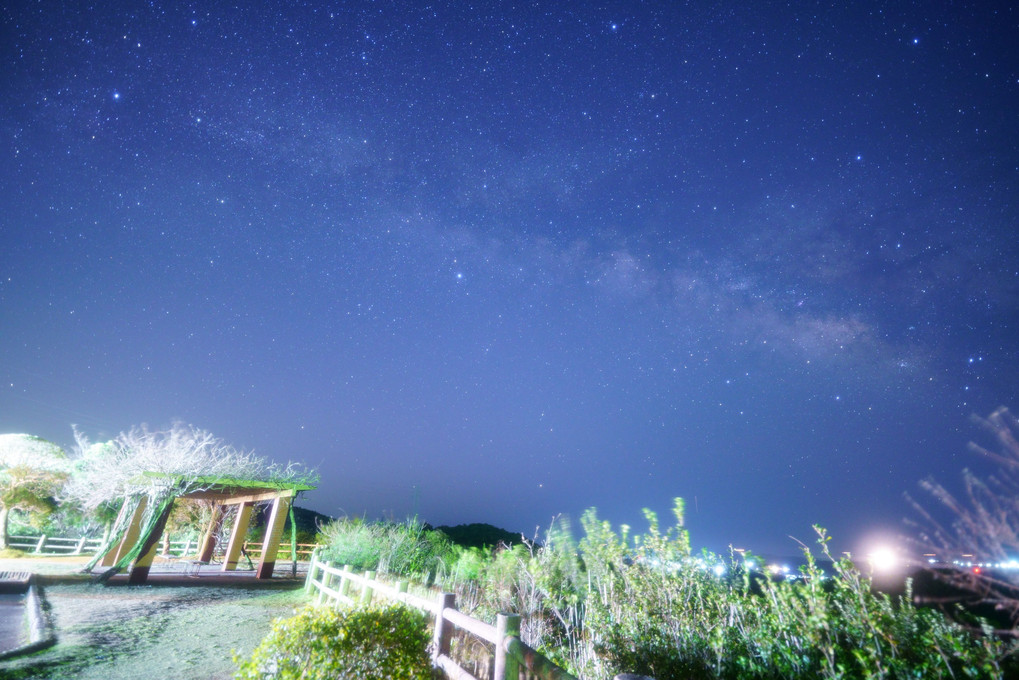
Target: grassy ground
(175, 631)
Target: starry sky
(492, 261)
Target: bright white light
(718, 569)
(883, 559)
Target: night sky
(496, 262)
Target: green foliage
(468, 564)
(625, 602)
(673, 617)
(31, 473)
(408, 549)
(321, 643)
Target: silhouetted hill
(309, 520)
(478, 535)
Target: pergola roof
(228, 491)
(232, 481)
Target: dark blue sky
(495, 262)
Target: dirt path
(174, 631)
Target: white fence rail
(513, 658)
(61, 545)
(54, 545)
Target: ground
(178, 627)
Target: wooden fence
(55, 545)
(252, 549)
(304, 550)
(513, 658)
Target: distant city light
(968, 561)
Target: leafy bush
(621, 602)
(321, 643)
(656, 609)
(468, 564)
(408, 549)
(645, 603)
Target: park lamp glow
(883, 559)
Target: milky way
(497, 262)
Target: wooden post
(326, 580)
(345, 582)
(133, 529)
(506, 666)
(80, 547)
(271, 544)
(366, 590)
(41, 544)
(209, 540)
(142, 564)
(233, 550)
(443, 628)
(311, 571)
(111, 555)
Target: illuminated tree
(983, 522)
(31, 472)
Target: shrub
(321, 643)
(627, 602)
(468, 564)
(674, 619)
(409, 549)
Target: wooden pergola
(223, 494)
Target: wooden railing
(510, 653)
(304, 550)
(58, 545)
(55, 545)
(254, 550)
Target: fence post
(41, 544)
(443, 629)
(366, 591)
(345, 582)
(327, 579)
(311, 571)
(81, 546)
(506, 666)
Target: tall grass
(617, 602)
(407, 549)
